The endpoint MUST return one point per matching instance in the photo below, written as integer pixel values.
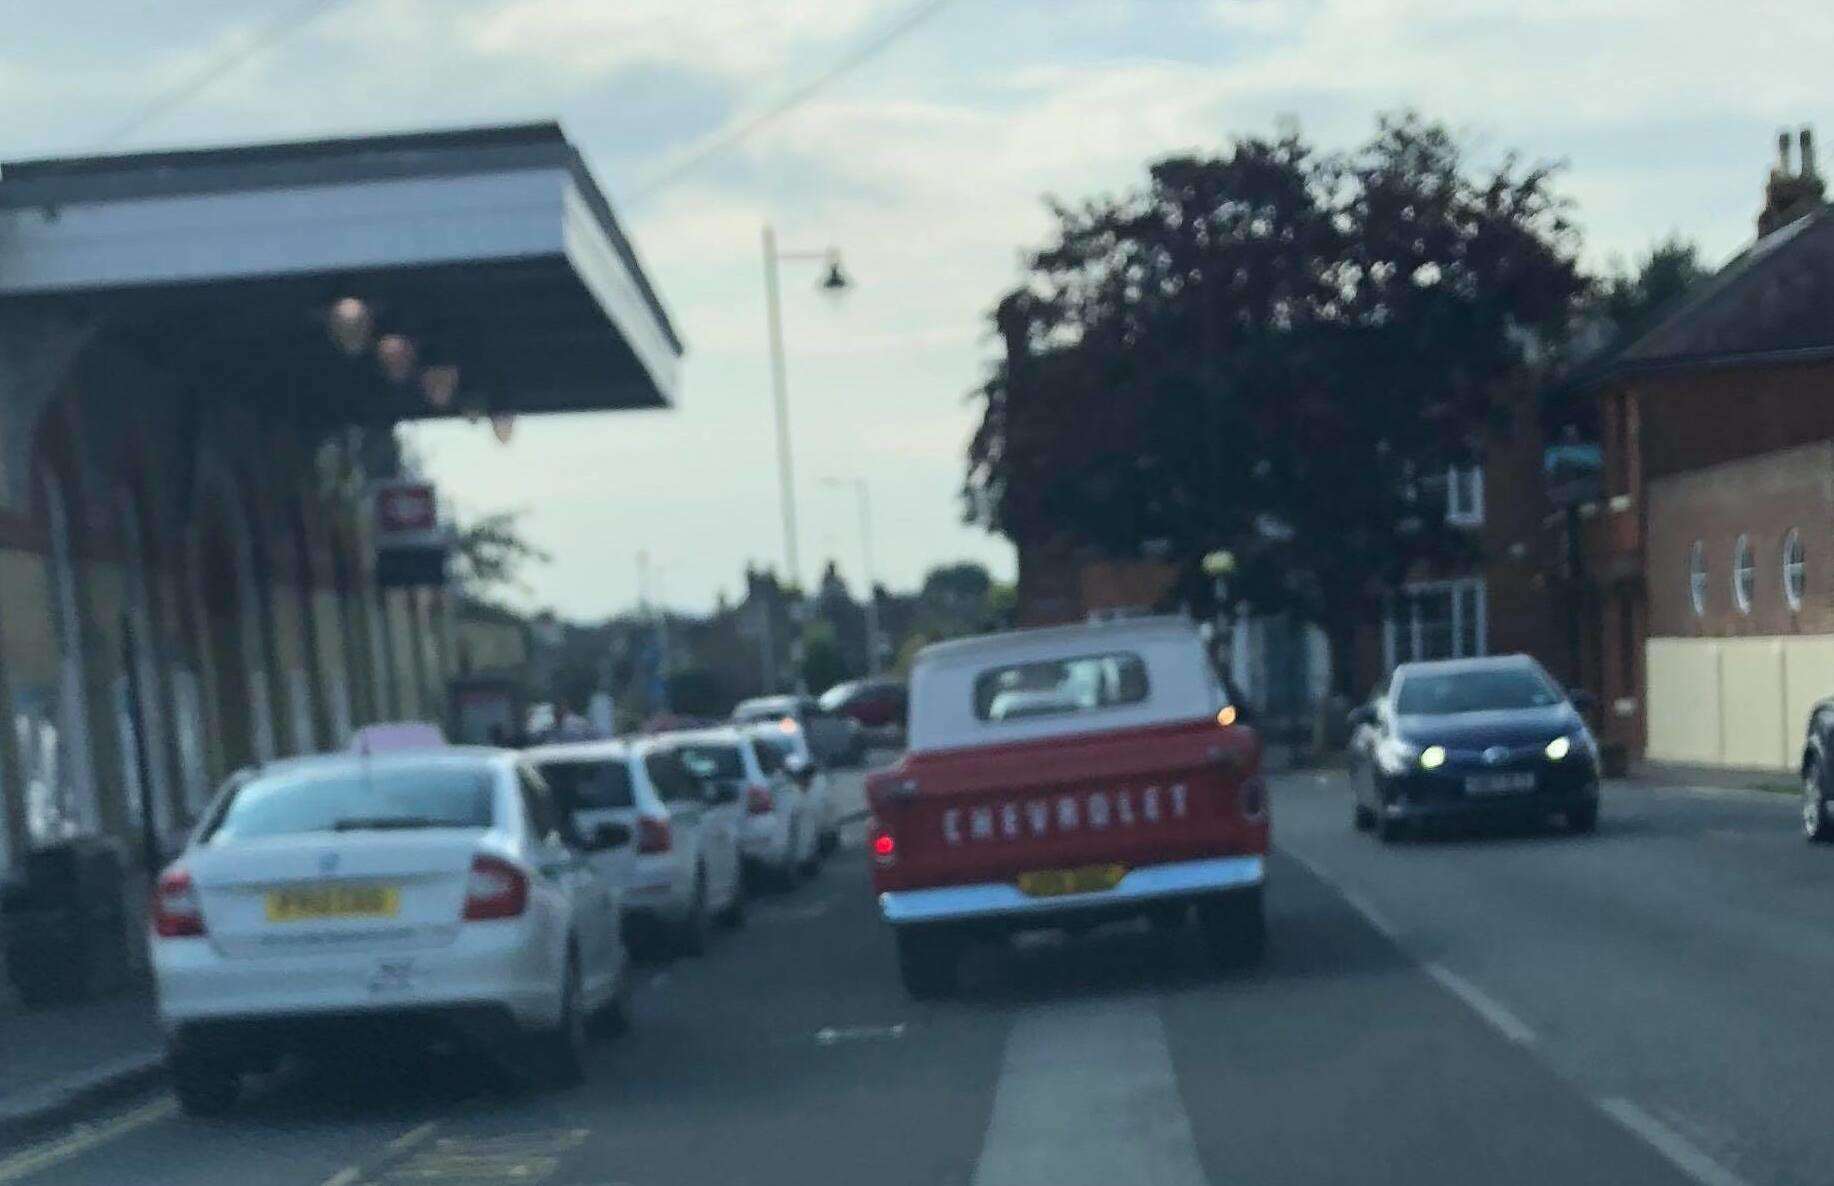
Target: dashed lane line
(413, 1137)
(1677, 1149)
(1483, 1004)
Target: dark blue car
(1472, 738)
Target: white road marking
(82, 1139)
(345, 1176)
(1680, 1152)
(1371, 915)
(828, 1035)
(413, 1136)
(1087, 1095)
(1483, 1004)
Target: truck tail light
(495, 889)
(654, 835)
(176, 911)
(1253, 797)
(883, 844)
(758, 800)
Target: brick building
(198, 353)
(1707, 571)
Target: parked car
(778, 837)
(683, 869)
(1471, 738)
(1817, 768)
(874, 703)
(834, 740)
(1139, 794)
(439, 889)
(792, 749)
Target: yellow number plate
(333, 901)
(1048, 883)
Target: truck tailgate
(1131, 797)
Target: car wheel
(563, 1052)
(613, 1017)
(926, 961)
(830, 840)
(1362, 818)
(1388, 828)
(691, 935)
(1581, 820)
(206, 1084)
(1815, 805)
(1235, 927)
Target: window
(770, 758)
(595, 785)
(1697, 578)
(357, 799)
(1436, 620)
(1465, 495)
(543, 824)
(1795, 571)
(672, 778)
(1743, 574)
(1052, 687)
(712, 762)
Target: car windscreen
(356, 798)
(596, 785)
(1054, 686)
(1497, 689)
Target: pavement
(1637, 1006)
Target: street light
(834, 281)
(872, 597)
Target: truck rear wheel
(1235, 927)
(926, 961)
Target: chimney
(1789, 195)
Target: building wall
(1728, 687)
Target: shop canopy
(377, 278)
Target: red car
(874, 703)
(1063, 777)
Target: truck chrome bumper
(1000, 899)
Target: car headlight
(1395, 756)
(1559, 748)
(1432, 757)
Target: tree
(822, 663)
(1631, 299)
(490, 554)
(1258, 352)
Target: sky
(928, 167)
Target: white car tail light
(495, 889)
(654, 835)
(176, 912)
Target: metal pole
(872, 595)
(780, 393)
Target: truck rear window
(1054, 687)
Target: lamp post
(864, 492)
(833, 281)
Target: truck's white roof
(1112, 632)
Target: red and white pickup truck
(1061, 777)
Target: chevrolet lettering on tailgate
(1036, 818)
(1066, 775)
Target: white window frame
(1744, 574)
(1795, 572)
(1465, 516)
(1698, 578)
(1397, 635)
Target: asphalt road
(1639, 1006)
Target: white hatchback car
(781, 836)
(685, 867)
(435, 888)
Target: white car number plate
(1500, 784)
